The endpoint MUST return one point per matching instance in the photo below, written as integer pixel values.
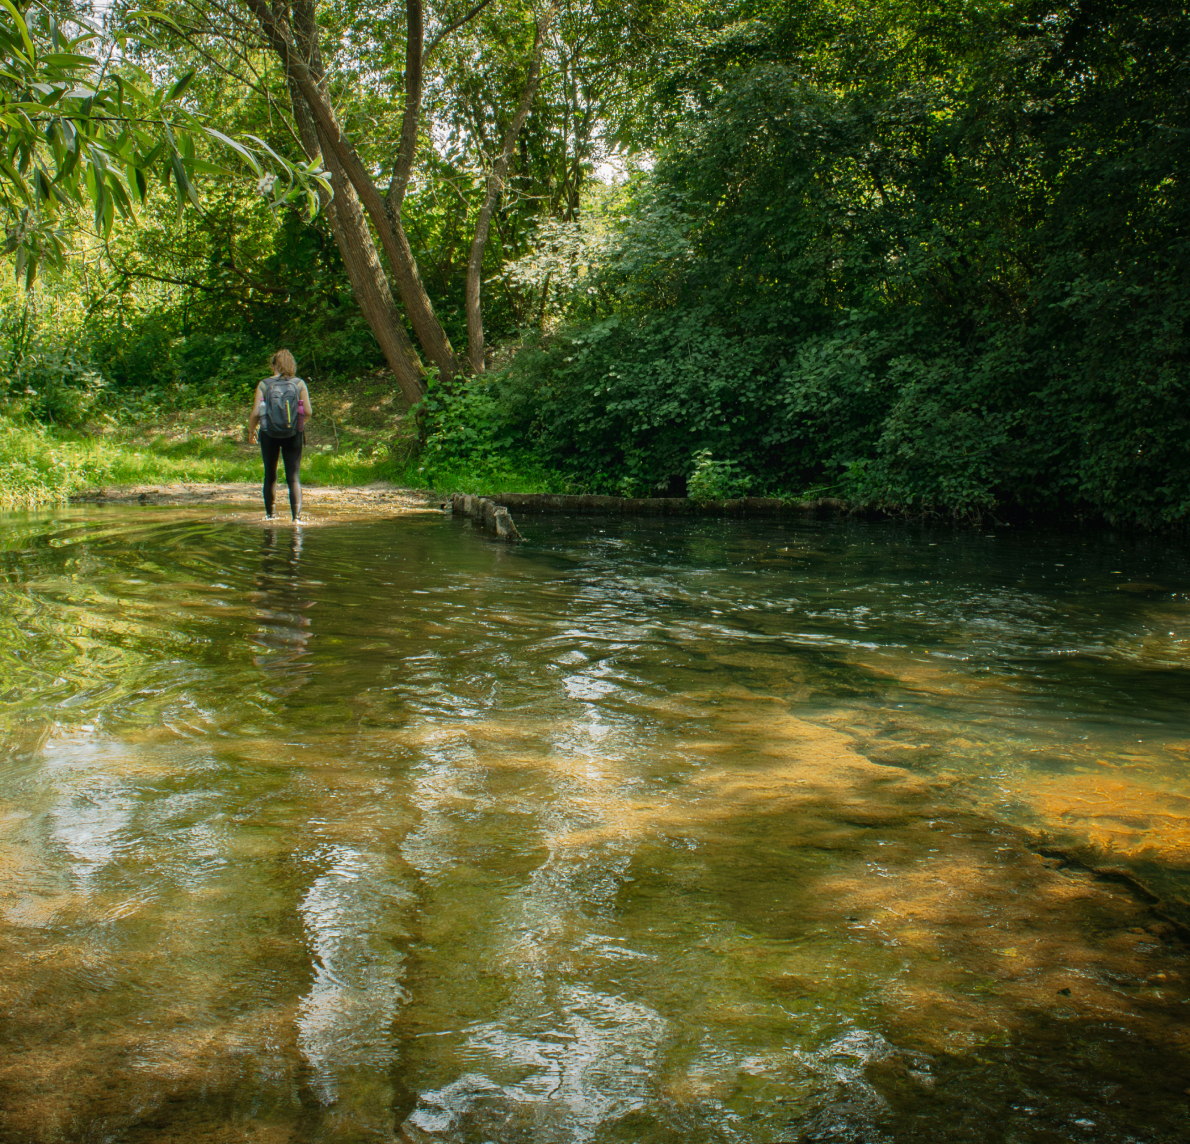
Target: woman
(280, 411)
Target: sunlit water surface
(642, 831)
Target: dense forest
(927, 255)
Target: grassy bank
(354, 439)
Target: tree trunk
(411, 118)
(495, 188)
(370, 286)
(420, 310)
(350, 228)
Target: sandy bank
(319, 503)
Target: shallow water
(641, 831)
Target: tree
(523, 94)
(300, 53)
(357, 75)
(75, 128)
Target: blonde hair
(283, 364)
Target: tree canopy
(929, 255)
(82, 124)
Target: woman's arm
(254, 416)
(305, 397)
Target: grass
(355, 441)
(38, 464)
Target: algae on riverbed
(640, 831)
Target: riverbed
(642, 830)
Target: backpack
(282, 415)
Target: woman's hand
(252, 435)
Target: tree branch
(455, 26)
(411, 118)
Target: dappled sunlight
(393, 833)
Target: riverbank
(380, 499)
(198, 455)
(353, 441)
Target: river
(641, 831)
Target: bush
(716, 480)
(468, 444)
(901, 273)
(621, 405)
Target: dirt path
(327, 504)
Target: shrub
(716, 480)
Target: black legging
(290, 448)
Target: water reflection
(351, 915)
(283, 630)
(667, 832)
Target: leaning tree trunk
(370, 286)
(493, 191)
(418, 306)
(350, 229)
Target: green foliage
(101, 341)
(39, 464)
(713, 480)
(44, 373)
(627, 253)
(930, 256)
(458, 422)
(173, 304)
(42, 464)
(32, 470)
(76, 130)
(468, 447)
(936, 263)
(623, 405)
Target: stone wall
(667, 506)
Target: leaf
(202, 167)
(68, 166)
(14, 177)
(116, 189)
(236, 146)
(150, 17)
(183, 180)
(152, 157)
(67, 60)
(42, 182)
(128, 86)
(100, 200)
(180, 87)
(23, 28)
(284, 165)
(98, 159)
